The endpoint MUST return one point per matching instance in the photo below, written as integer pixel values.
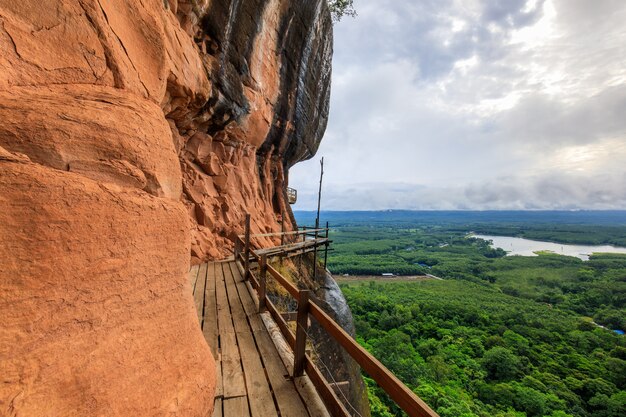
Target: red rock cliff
(269, 67)
(135, 136)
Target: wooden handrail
(246, 245)
(282, 324)
(284, 250)
(293, 232)
(406, 399)
(400, 393)
(291, 289)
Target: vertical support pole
(315, 255)
(302, 323)
(237, 248)
(300, 260)
(317, 218)
(282, 232)
(319, 195)
(247, 249)
(326, 248)
(262, 282)
(282, 239)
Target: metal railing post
(302, 323)
(262, 282)
(247, 249)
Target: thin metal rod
(319, 195)
(317, 218)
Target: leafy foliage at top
(341, 8)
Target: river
(527, 247)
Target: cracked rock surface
(135, 136)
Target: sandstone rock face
(269, 65)
(96, 318)
(135, 137)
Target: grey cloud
(511, 12)
(391, 29)
(548, 192)
(550, 122)
(533, 124)
(589, 16)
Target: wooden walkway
(251, 377)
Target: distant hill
(576, 227)
(582, 217)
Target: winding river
(526, 247)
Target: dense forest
(595, 288)
(500, 335)
(469, 350)
(576, 227)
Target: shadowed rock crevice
(266, 110)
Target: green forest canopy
(467, 349)
(500, 336)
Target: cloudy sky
(475, 104)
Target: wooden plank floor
(252, 379)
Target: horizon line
(478, 210)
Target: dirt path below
(360, 278)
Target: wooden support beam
(239, 262)
(302, 326)
(341, 388)
(315, 259)
(246, 266)
(326, 248)
(282, 232)
(328, 394)
(295, 232)
(289, 316)
(262, 283)
(237, 250)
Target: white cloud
(476, 104)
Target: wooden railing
(304, 240)
(307, 306)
